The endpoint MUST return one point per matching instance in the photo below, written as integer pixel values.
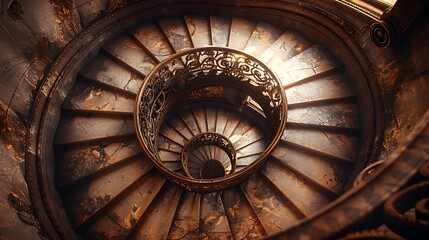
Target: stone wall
(403, 74)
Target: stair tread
(77, 129)
(110, 190)
(128, 51)
(172, 134)
(188, 118)
(305, 196)
(248, 137)
(207, 152)
(220, 30)
(312, 62)
(149, 35)
(106, 71)
(221, 155)
(78, 163)
(88, 97)
(213, 221)
(186, 221)
(241, 30)
(288, 45)
(168, 144)
(242, 129)
(175, 30)
(199, 30)
(174, 166)
(200, 155)
(199, 116)
(339, 145)
(324, 88)
(177, 123)
(273, 213)
(253, 148)
(242, 219)
(263, 36)
(156, 222)
(194, 162)
(211, 118)
(121, 218)
(221, 120)
(345, 115)
(97, 193)
(234, 121)
(330, 174)
(247, 160)
(167, 156)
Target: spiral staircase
(260, 175)
(200, 119)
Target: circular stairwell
(110, 186)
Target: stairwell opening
(212, 168)
(187, 79)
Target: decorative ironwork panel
(197, 68)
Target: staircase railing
(180, 76)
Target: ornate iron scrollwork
(201, 67)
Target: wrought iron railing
(209, 139)
(193, 69)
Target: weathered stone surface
(153, 39)
(263, 36)
(86, 97)
(129, 52)
(121, 218)
(177, 33)
(199, 30)
(213, 221)
(12, 179)
(90, 11)
(157, 221)
(402, 72)
(106, 71)
(12, 182)
(405, 112)
(305, 196)
(327, 173)
(31, 35)
(242, 219)
(186, 221)
(220, 30)
(83, 201)
(337, 145)
(241, 30)
(268, 204)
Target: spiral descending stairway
(110, 188)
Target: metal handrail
(194, 69)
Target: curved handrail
(204, 139)
(196, 68)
